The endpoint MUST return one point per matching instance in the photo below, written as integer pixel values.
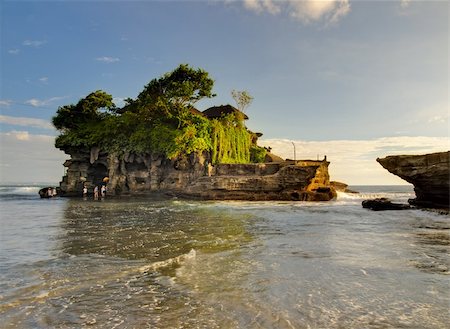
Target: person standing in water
(103, 191)
(96, 192)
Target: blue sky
(351, 79)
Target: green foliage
(85, 111)
(183, 86)
(160, 120)
(230, 141)
(257, 154)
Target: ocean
(135, 262)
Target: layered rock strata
(193, 177)
(428, 173)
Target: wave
(394, 196)
(19, 190)
(178, 260)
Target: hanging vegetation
(230, 140)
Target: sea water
(166, 263)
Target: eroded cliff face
(428, 173)
(266, 181)
(191, 176)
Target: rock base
(429, 173)
(194, 177)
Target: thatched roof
(218, 111)
(193, 110)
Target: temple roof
(218, 111)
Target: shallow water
(154, 263)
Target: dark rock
(383, 204)
(428, 173)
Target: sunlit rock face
(193, 176)
(428, 173)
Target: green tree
(183, 86)
(242, 98)
(88, 109)
(160, 120)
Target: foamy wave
(19, 190)
(395, 196)
(169, 262)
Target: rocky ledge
(194, 177)
(428, 173)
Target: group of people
(103, 189)
(51, 192)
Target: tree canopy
(160, 120)
(183, 86)
(86, 110)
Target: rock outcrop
(341, 187)
(383, 204)
(428, 173)
(193, 176)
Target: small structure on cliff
(429, 173)
(217, 112)
(159, 142)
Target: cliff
(192, 176)
(428, 173)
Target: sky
(353, 80)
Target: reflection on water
(139, 263)
(148, 230)
(431, 245)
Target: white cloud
(19, 135)
(259, 6)
(433, 114)
(43, 79)
(23, 121)
(405, 3)
(34, 102)
(40, 103)
(306, 11)
(119, 101)
(34, 43)
(14, 51)
(328, 10)
(107, 59)
(354, 161)
(5, 102)
(30, 158)
(438, 119)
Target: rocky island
(159, 142)
(428, 173)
